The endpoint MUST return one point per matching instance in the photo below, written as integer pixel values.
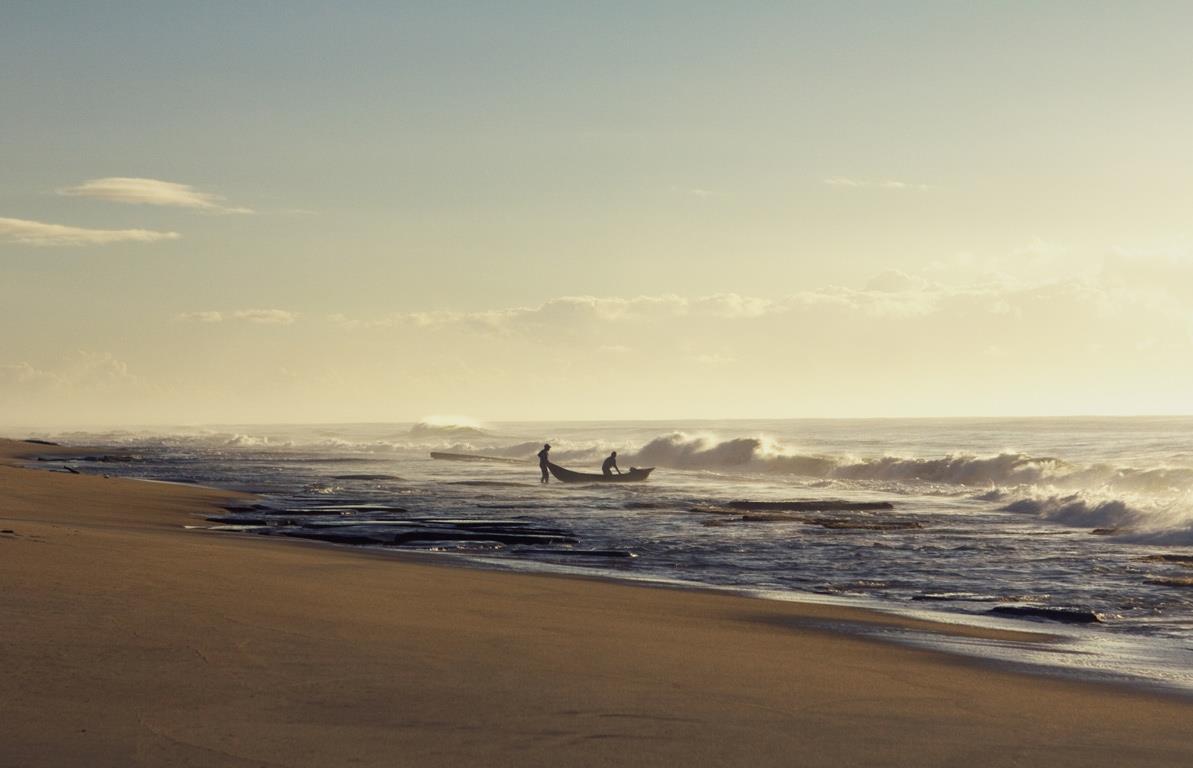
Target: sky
(239, 212)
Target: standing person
(543, 461)
(610, 465)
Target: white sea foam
(679, 450)
(458, 426)
(251, 441)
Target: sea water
(1084, 524)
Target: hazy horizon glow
(257, 213)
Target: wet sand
(127, 640)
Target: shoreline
(135, 640)
(1018, 646)
(969, 638)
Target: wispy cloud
(570, 311)
(845, 181)
(262, 316)
(80, 370)
(267, 316)
(958, 341)
(44, 234)
(121, 189)
(207, 316)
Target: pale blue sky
(477, 156)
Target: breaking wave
(1139, 521)
(996, 477)
(434, 426)
(754, 454)
(1076, 510)
(681, 451)
(252, 441)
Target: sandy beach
(129, 640)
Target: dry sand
(127, 640)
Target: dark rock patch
(238, 508)
(340, 509)
(778, 518)
(426, 536)
(613, 553)
(862, 523)
(1185, 561)
(866, 524)
(489, 483)
(1065, 615)
(1171, 581)
(811, 505)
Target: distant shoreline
(41, 429)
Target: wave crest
(1078, 511)
(441, 428)
(996, 472)
(681, 451)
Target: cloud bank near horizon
(1010, 341)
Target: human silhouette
(543, 461)
(610, 465)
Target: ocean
(1082, 527)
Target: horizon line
(480, 423)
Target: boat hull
(635, 475)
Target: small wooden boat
(568, 476)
